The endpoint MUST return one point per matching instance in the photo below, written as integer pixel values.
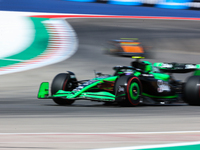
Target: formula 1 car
(125, 47)
(142, 82)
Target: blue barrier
(174, 4)
(125, 2)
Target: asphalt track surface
(22, 112)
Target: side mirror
(98, 74)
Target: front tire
(132, 90)
(191, 90)
(62, 81)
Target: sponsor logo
(72, 76)
(162, 86)
(89, 82)
(129, 71)
(120, 89)
(147, 75)
(190, 66)
(84, 85)
(167, 66)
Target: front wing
(98, 96)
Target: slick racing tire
(191, 90)
(62, 81)
(132, 89)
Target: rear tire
(191, 90)
(133, 90)
(62, 81)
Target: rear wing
(178, 67)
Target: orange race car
(125, 47)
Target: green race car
(142, 82)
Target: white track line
(99, 133)
(151, 146)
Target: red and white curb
(63, 44)
(63, 41)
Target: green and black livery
(141, 82)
